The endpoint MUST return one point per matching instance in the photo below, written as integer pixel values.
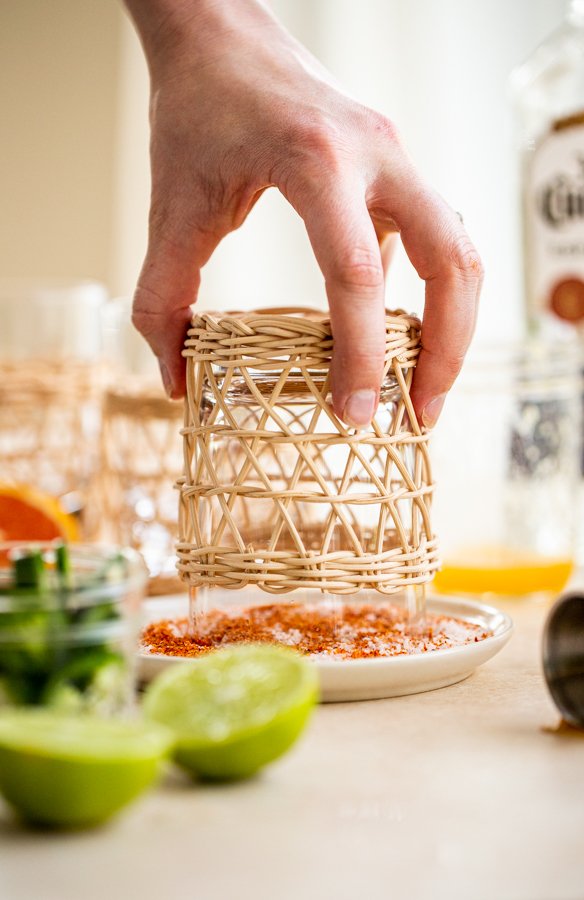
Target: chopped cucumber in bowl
(66, 625)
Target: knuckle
(363, 352)
(366, 364)
(466, 260)
(147, 314)
(315, 134)
(360, 357)
(387, 129)
(361, 270)
(372, 360)
(452, 364)
(318, 144)
(156, 315)
(447, 362)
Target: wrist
(167, 27)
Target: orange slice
(29, 515)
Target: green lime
(77, 771)
(234, 710)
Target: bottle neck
(576, 12)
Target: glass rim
(93, 595)
(295, 385)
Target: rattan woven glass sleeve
(277, 492)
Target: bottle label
(555, 223)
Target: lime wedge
(234, 710)
(72, 772)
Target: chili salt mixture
(339, 631)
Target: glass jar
(141, 450)
(506, 454)
(284, 507)
(68, 625)
(50, 390)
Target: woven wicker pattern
(141, 459)
(278, 492)
(49, 428)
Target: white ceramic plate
(371, 679)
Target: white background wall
(75, 192)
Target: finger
(444, 256)
(168, 285)
(447, 329)
(346, 248)
(387, 245)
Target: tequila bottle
(549, 100)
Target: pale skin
(237, 106)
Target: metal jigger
(563, 657)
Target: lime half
(77, 771)
(234, 710)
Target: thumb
(167, 287)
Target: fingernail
(359, 408)
(432, 410)
(165, 378)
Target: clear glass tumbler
(507, 455)
(50, 390)
(141, 450)
(288, 514)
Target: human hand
(237, 105)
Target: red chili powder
(342, 631)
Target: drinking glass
(507, 454)
(50, 389)
(283, 506)
(141, 450)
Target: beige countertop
(462, 793)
